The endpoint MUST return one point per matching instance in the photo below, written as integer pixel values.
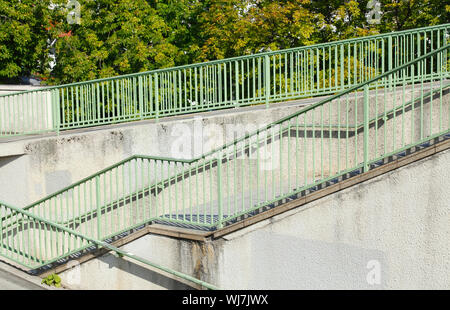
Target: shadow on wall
(154, 277)
(7, 160)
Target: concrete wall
(390, 232)
(51, 163)
(25, 113)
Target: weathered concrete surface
(390, 232)
(399, 221)
(11, 282)
(52, 162)
(13, 279)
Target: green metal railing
(352, 130)
(260, 78)
(21, 244)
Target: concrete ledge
(178, 232)
(32, 282)
(11, 149)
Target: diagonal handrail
(101, 244)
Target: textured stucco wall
(395, 225)
(111, 272)
(398, 221)
(50, 163)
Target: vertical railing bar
(366, 128)
(219, 191)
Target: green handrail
(234, 82)
(100, 244)
(268, 53)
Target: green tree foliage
(23, 37)
(114, 37)
(237, 27)
(343, 19)
(407, 14)
(181, 16)
(125, 36)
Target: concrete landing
(11, 282)
(13, 279)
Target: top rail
(262, 78)
(221, 61)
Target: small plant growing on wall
(52, 280)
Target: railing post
(156, 97)
(141, 98)
(201, 101)
(390, 51)
(366, 128)
(236, 67)
(267, 79)
(50, 96)
(54, 97)
(342, 66)
(219, 191)
(444, 53)
(99, 211)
